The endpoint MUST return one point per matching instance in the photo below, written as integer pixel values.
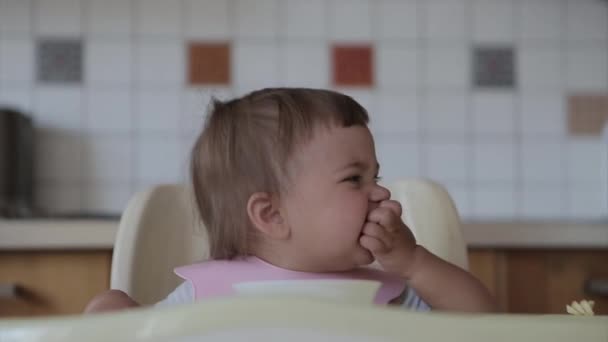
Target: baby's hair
(244, 148)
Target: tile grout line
(134, 132)
(563, 91)
(84, 101)
(421, 91)
(470, 131)
(518, 193)
(179, 135)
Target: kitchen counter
(536, 234)
(99, 234)
(58, 234)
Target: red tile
(209, 63)
(353, 65)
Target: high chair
(160, 230)
(257, 319)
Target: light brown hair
(244, 148)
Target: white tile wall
(398, 158)
(586, 162)
(542, 201)
(158, 160)
(18, 97)
(351, 20)
(586, 67)
(396, 115)
(446, 20)
(158, 18)
(448, 162)
(195, 103)
(108, 18)
(262, 73)
(494, 202)
(494, 162)
(300, 14)
(549, 29)
(542, 162)
(398, 20)
(540, 67)
(208, 19)
(305, 63)
(109, 111)
(543, 114)
(445, 114)
(396, 66)
(586, 20)
(158, 112)
(58, 18)
(447, 66)
(16, 61)
(160, 63)
(462, 197)
(108, 62)
(493, 21)
(257, 19)
(494, 113)
(587, 202)
(15, 16)
(501, 154)
(59, 108)
(106, 198)
(107, 160)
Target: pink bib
(215, 278)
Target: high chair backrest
(160, 230)
(428, 210)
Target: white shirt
(184, 294)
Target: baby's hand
(389, 240)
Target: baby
(286, 182)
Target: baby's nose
(377, 195)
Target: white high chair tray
(295, 320)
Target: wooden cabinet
(52, 282)
(540, 281)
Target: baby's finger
(375, 230)
(372, 244)
(385, 217)
(392, 205)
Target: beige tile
(587, 114)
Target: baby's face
(333, 188)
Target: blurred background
(478, 95)
(504, 102)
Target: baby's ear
(263, 209)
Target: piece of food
(582, 308)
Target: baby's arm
(440, 284)
(110, 300)
(445, 286)
(117, 300)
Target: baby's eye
(377, 178)
(353, 179)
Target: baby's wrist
(414, 265)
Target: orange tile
(209, 63)
(587, 114)
(353, 65)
